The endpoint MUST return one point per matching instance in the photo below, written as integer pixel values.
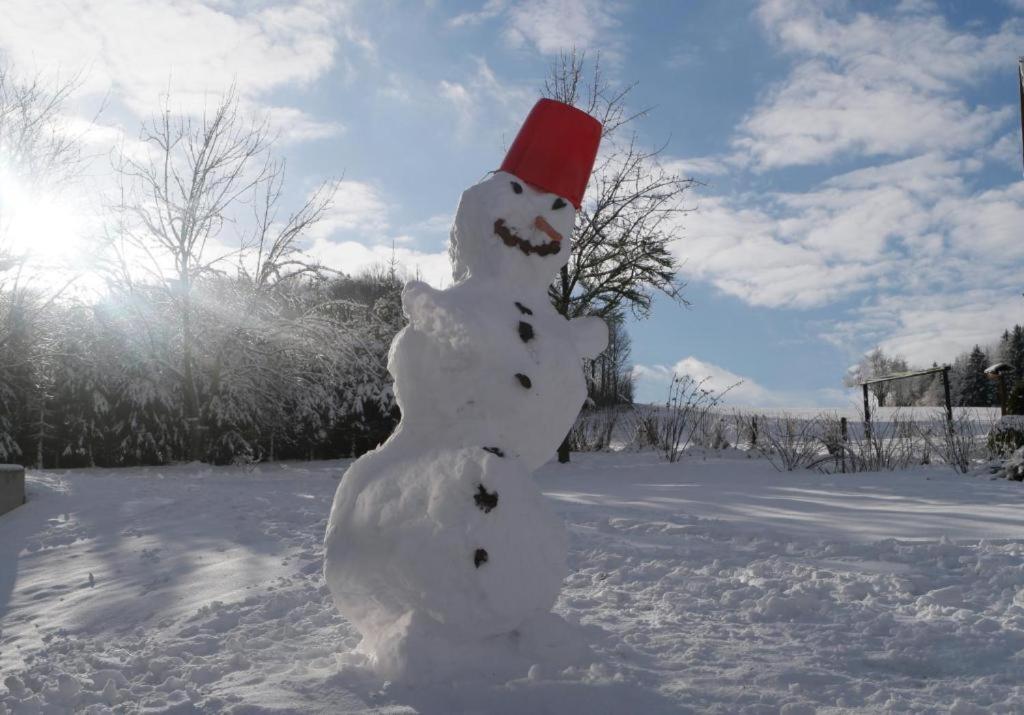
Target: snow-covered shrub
(292, 369)
(1006, 436)
(957, 442)
(712, 431)
(888, 446)
(748, 428)
(594, 429)
(1013, 467)
(645, 427)
(790, 443)
(688, 405)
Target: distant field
(852, 412)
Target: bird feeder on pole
(998, 372)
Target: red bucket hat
(555, 149)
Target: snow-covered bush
(689, 404)
(297, 370)
(790, 443)
(1013, 467)
(888, 446)
(594, 429)
(1006, 436)
(712, 431)
(748, 428)
(833, 438)
(959, 445)
(958, 442)
(643, 427)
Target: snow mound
(1013, 467)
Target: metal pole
(1020, 87)
(846, 438)
(867, 413)
(945, 388)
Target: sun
(41, 225)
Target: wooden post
(945, 389)
(867, 413)
(845, 438)
(563, 451)
(12, 486)
(1001, 387)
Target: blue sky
(861, 161)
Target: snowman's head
(509, 231)
(515, 226)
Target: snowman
(440, 535)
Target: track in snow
(712, 585)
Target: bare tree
(874, 364)
(34, 146)
(37, 155)
(621, 252)
(621, 247)
(179, 220)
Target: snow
(1013, 467)
(440, 548)
(712, 585)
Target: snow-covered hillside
(711, 585)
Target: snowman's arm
(421, 304)
(590, 334)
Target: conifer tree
(975, 388)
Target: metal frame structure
(902, 376)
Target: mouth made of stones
(509, 238)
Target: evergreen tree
(976, 388)
(1012, 350)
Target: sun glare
(37, 224)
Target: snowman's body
(484, 365)
(442, 530)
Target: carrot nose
(541, 223)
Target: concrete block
(12, 486)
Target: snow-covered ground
(713, 585)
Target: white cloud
(751, 253)
(358, 211)
(745, 391)
(436, 224)
(482, 93)
(930, 329)
(140, 50)
(698, 166)
(462, 104)
(352, 257)
(556, 25)
(356, 234)
(865, 86)
(294, 125)
(490, 10)
(652, 383)
(870, 85)
(939, 264)
(550, 26)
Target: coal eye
(516, 187)
(559, 203)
